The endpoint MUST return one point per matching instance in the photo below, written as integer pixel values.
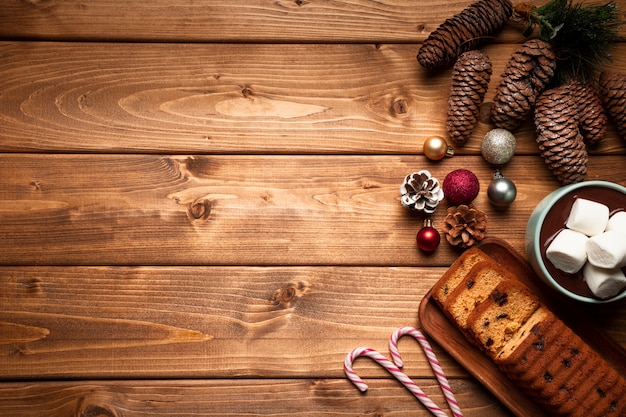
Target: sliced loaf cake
(495, 320)
(527, 342)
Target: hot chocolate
(555, 222)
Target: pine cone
(470, 80)
(525, 77)
(613, 93)
(420, 191)
(559, 138)
(464, 225)
(592, 117)
(463, 32)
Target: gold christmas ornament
(436, 148)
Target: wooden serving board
(442, 331)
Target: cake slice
(595, 403)
(523, 356)
(518, 350)
(456, 273)
(558, 393)
(472, 290)
(556, 368)
(495, 320)
(615, 407)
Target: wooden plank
(231, 21)
(206, 322)
(215, 322)
(302, 397)
(233, 98)
(243, 210)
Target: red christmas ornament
(428, 237)
(460, 186)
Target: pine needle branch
(582, 35)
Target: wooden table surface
(200, 210)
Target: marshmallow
(567, 251)
(617, 222)
(588, 217)
(604, 283)
(607, 250)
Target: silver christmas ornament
(498, 146)
(501, 191)
(420, 191)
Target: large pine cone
(526, 75)
(470, 80)
(592, 117)
(613, 93)
(560, 141)
(463, 32)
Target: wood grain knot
(247, 92)
(287, 296)
(400, 106)
(36, 185)
(367, 184)
(19, 351)
(200, 210)
(96, 411)
(32, 285)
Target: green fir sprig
(582, 35)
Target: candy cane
(392, 369)
(432, 359)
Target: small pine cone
(592, 117)
(464, 226)
(420, 191)
(463, 32)
(526, 75)
(560, 141)
(613, 93)
(470, 80)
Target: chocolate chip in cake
(535, 329)
(502, 316)
(486, 323)
(574, 351)
(566, 363)
(539, 344)
(500, 298)
(470, 284)
(489, 342)
(613, 405)
(547, 377)
(601, 392)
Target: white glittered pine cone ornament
(422, 192)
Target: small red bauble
(460, 186)
(428, 237)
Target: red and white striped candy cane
(392, 369)
(432, 359)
